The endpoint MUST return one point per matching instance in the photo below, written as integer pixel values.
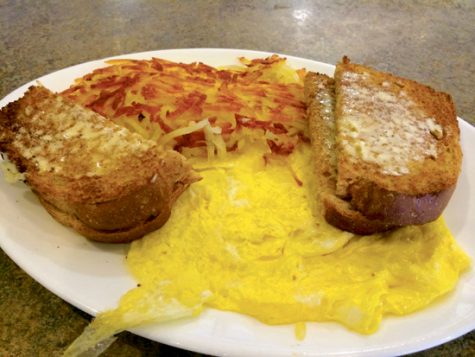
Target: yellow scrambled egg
(249, 238)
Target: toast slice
(107, 183)
(397, 149)
(320, 99)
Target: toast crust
(397, 208)
(341, 214)
(125, 235)
(109, 184)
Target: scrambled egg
(250, 238)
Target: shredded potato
(200, 110)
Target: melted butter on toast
(73, 142)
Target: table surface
(429, 41)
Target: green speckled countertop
(429, 41)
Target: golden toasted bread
(320, 98)
(104, 181)
(396, 152)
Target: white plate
(93, 276)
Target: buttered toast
(320, 96)
(395, 155)
(107, 183)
